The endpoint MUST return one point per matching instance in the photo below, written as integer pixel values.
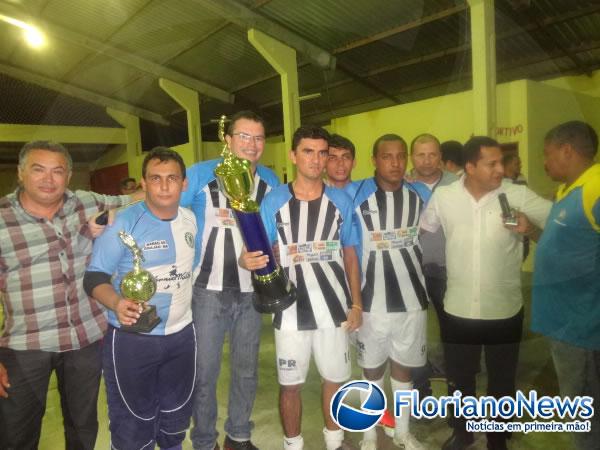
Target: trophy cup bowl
(139, 285)
(274, 291)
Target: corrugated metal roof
(225, 59)
(85, 16)
(387, 51)
(54, 60)
(33, 105)
(145, 92)
(102, 74)
(163, 29)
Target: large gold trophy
(235, 178)
(139, 285)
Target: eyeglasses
(245, 137)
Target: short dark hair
(472, 148)
(387, 138)
(580, 135)
(452, 151)
(423, 138)
(50, 146)
(163, 154)
(339, 141)
(309, 132)
(508, 157)
(124, 181)
(245, 114)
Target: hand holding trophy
(139, 285)
(274, 291)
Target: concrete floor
(535, 371)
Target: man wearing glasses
(223, 292)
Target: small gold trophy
(139, 285)
(274, 291)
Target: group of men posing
(366, 257)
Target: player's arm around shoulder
(269, 176)
(198, 175)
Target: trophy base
(146, 322)
(275, 295)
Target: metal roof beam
(359, 43)
(359, 106)
(499, 36)
(461, 48)
(209, 33)
(441, 53)
(247, 18)
(520, 9)
(82, 94)
(554, 54)
(120, 55)
(369, 84)
(401, 28)
(450, 12)
(465, 47)
(63, 134)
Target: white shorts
(400, 336)
(329, 347)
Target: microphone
(508, 214)
(102, 219)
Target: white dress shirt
(483, 258)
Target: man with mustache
(50, 323)
(483, 304)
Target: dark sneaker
(230, 444)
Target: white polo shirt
(483, 258)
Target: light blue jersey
(351, 188)
(168, 247)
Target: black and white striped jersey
(311, 236)
(220, 240)
(390, 253)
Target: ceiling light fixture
(34, 37)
